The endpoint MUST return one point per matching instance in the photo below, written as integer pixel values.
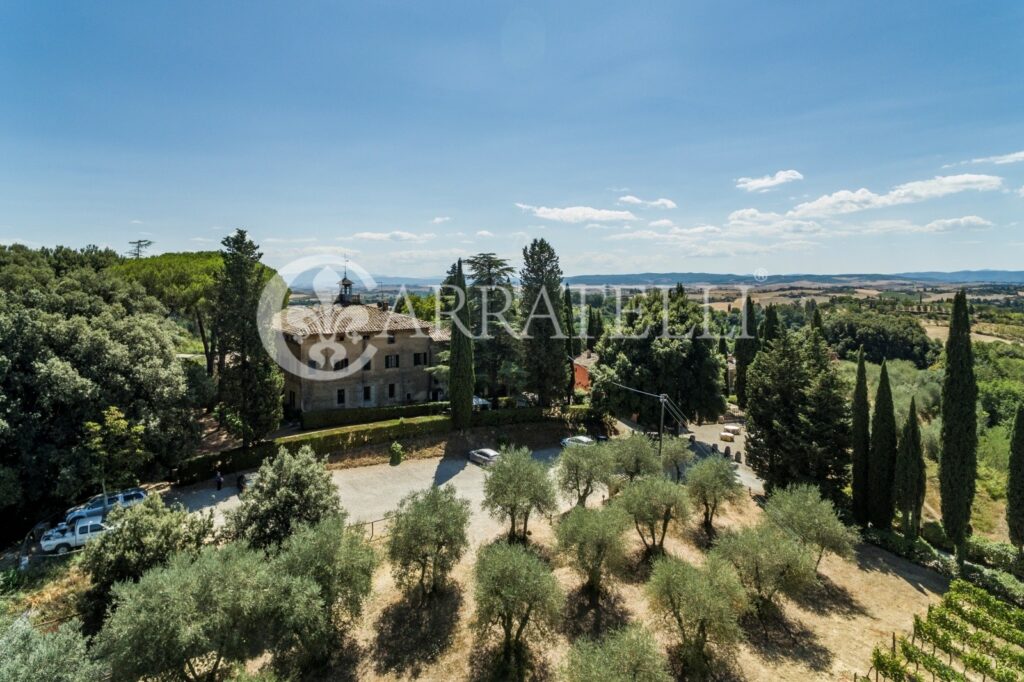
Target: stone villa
(349, 354)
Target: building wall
(411, 383)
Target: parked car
(577, 440)
(483, 456)
(65, 537)
(96, 506)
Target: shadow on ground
(827, 597)
(411, 635)
(779, 638)
(924, 580)
(586, 617)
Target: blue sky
(643, 136)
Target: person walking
(220, 480)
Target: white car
(484, 456)
(65, 537)
(577, 440)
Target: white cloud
(484, 233)
(1001, 159)
(393, 236)
(202, 240)
(598, 226)
(440, 219)
(576, 214)
(136, 222)
(751, 221)
(288, 240)
(946, 224)
(766, 182)
(664, 222)
(847, 201)
(637, 201)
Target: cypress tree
(958, 463)
(882, 461)
(745, 349)
(861, 444)
(543, 347)
(572, 342)
(816, 321)
(1015, 484)
(723, 350)
(772, 326)
(909, 481)
(461, 377)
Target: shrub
(396, 453)
(626, 655)
(516, 486)
(654, 503)
(427, 538)
(712, 482)
(701, 605)
(582, 469)
(769, 562)
(677, 454)
(290, 490)
(591, 539)
(516, 593)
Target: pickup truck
(64, 537)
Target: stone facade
(349, 355)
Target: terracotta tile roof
(350, 319)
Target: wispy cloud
(136, 222)
(484, 233)
(576, 214)
(664, 222)
(999, 160)
(203, 240)
(847, 201)
(656, 203)
(766, 182)
(440, 219)
(288, 240)
(393, 236)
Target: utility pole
(661, 429)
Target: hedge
(363, 415)
(1000, 583)
(332, 441)
(998, 555)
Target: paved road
(369, 493)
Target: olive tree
(677, 454)
(712, 482)
(192, 619)
(58, 656)
(516, 594)
(338, 559)
(627, 655)
(654, 503)
(591, 540)
(635, 457)
(582, 469)
(801, 510)
(427, 538)
(516, 486)
(769, 561)
(291, 490)
(702, 605)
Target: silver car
(484, 456)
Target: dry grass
(828, 636)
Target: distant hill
(718, 279)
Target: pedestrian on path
(220, 480)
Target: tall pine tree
(909, 481)
(251, 382)
(461, 374)
(543, 346)
(745, 349)
(1015, 484)
(861, 445)
(958, 463)
(882, 461)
